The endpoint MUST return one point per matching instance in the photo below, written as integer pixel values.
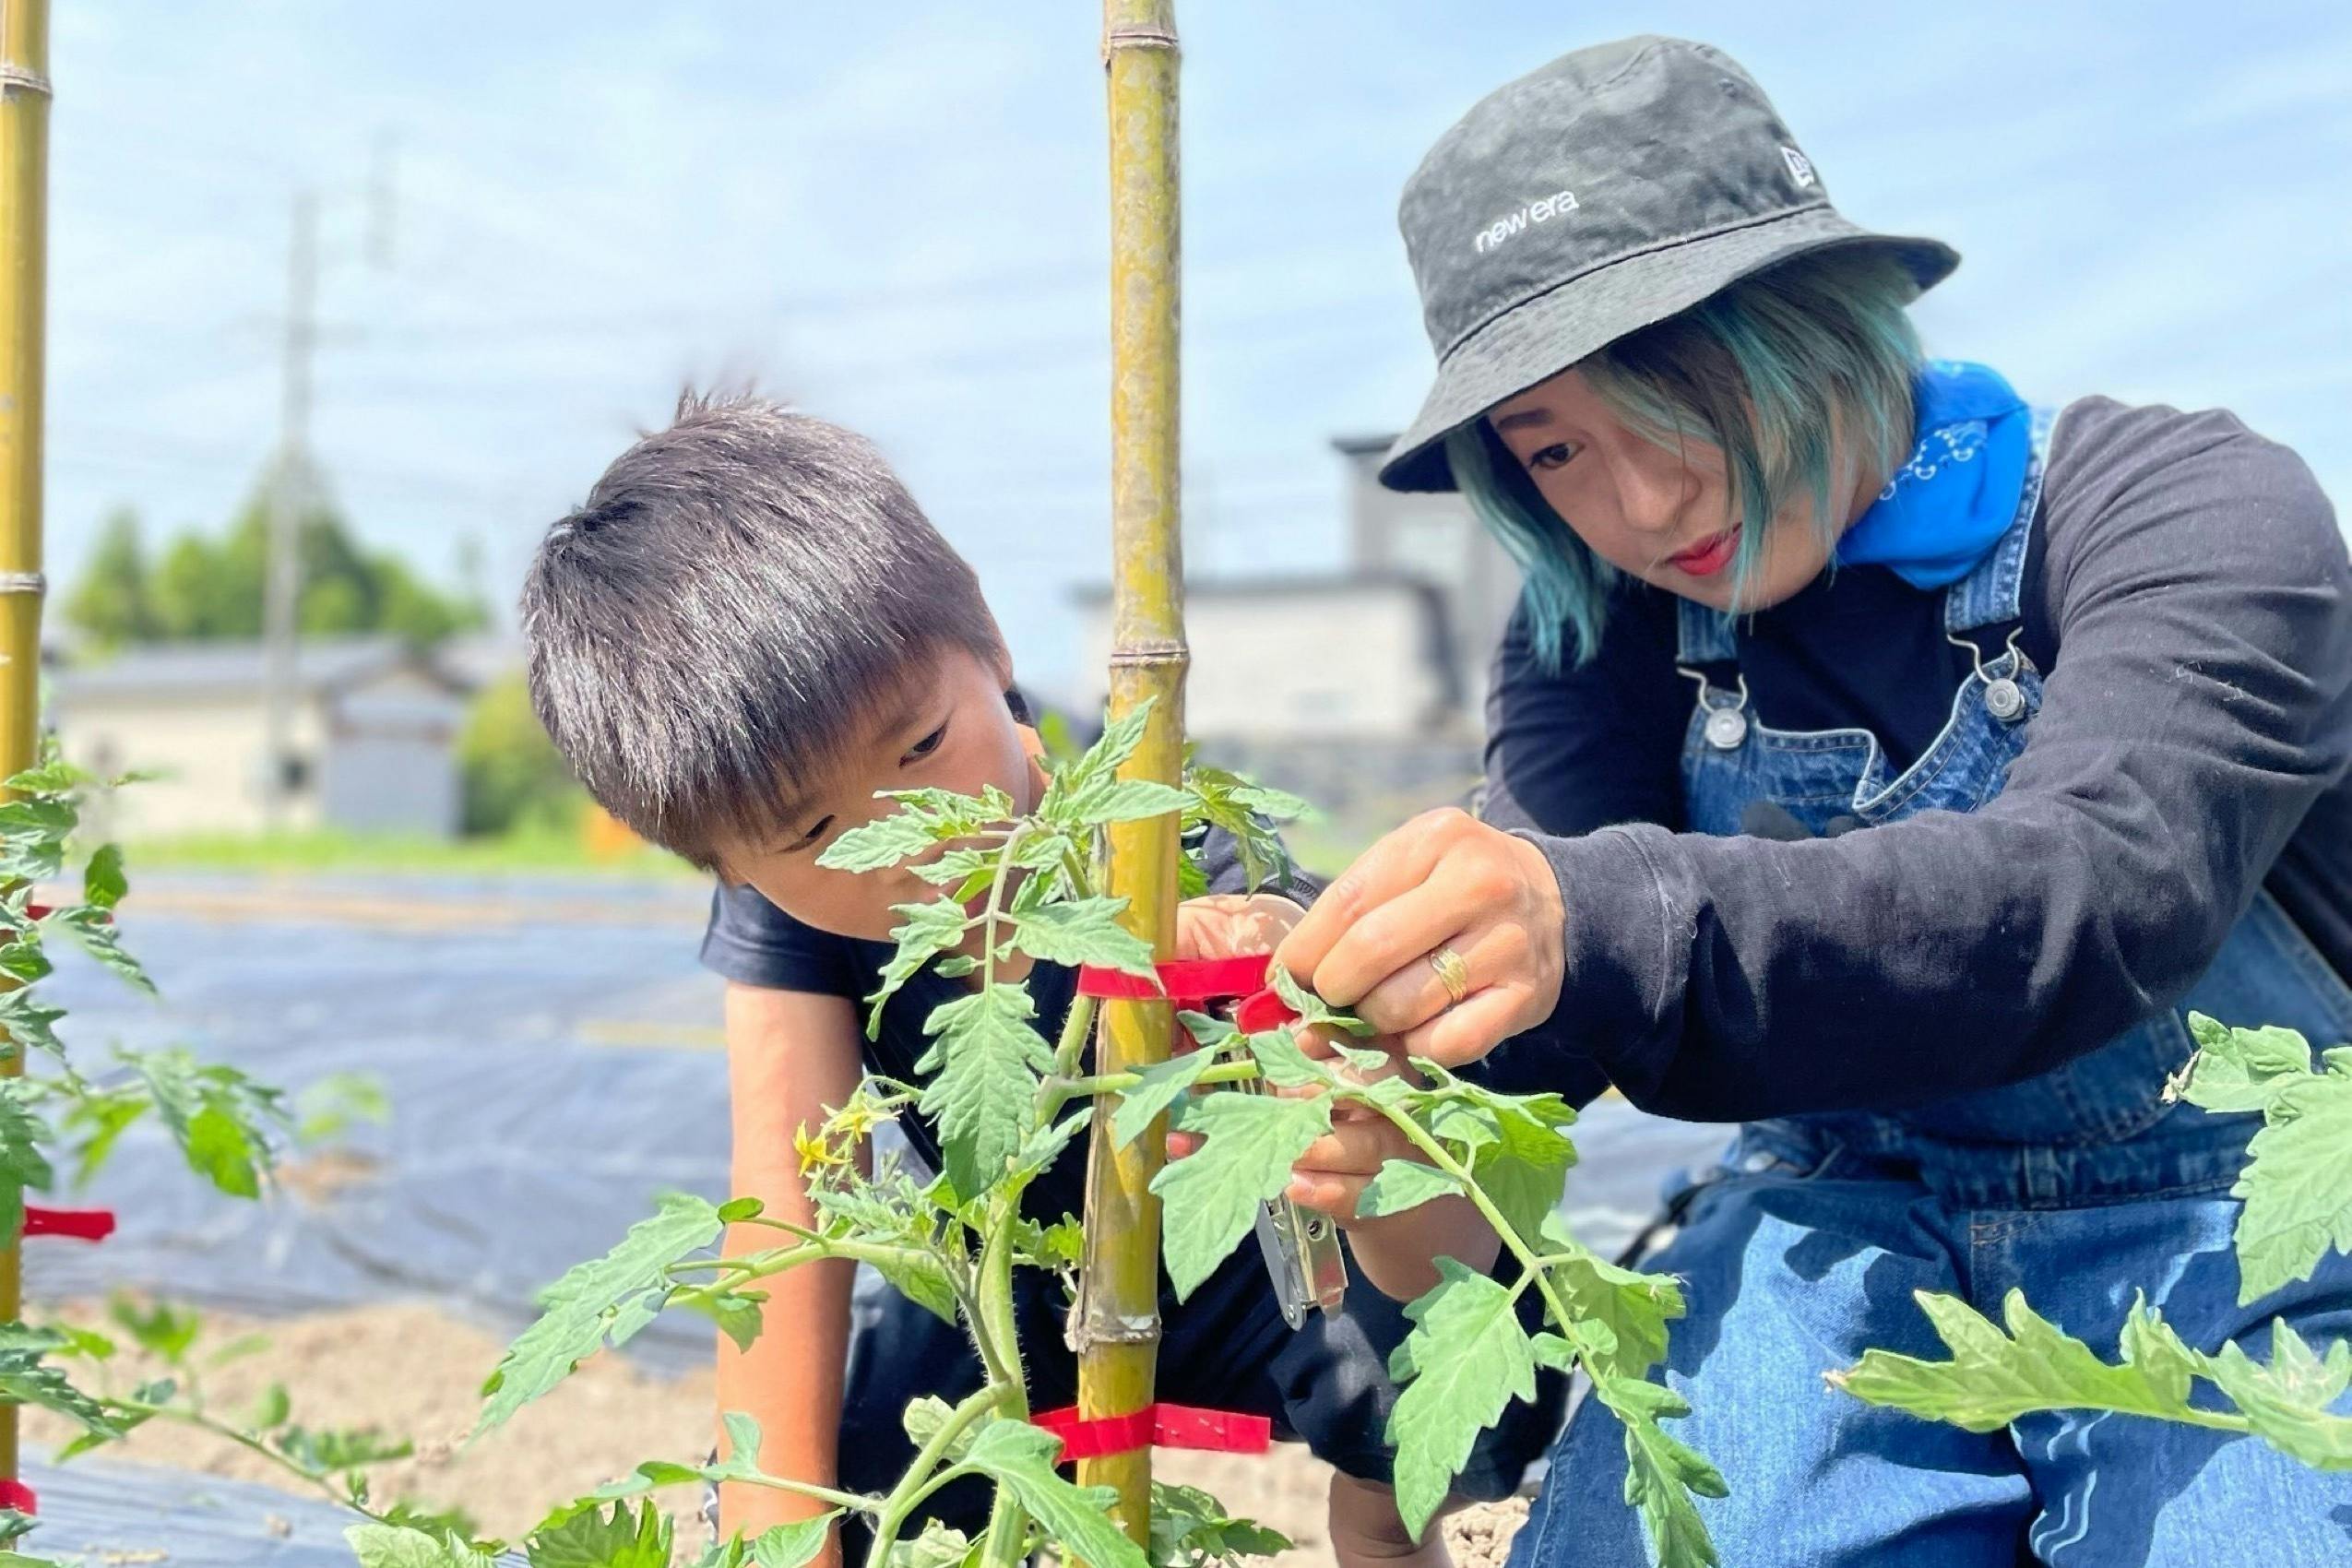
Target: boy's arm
(791, 1056)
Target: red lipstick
(1708, 556)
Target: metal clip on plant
(1302, 1247)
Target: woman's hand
(1443, 880)
(1230, 925)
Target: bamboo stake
(24, 248)
(1117, 1331)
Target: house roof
(163, 670)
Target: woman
(1880, 763)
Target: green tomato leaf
(1163, 1084)
(161, 1330)
(91, 928)
(589, 1540)
(987, 1060)
(1212, 1195)
(1285, 1065)
(789, 1546)
(398, 1546)
(930, 928)
(2286, 1401)
(2240, 1069)
(22, 1164)
(1310, 1008)
(1993, 1378)
(220, 1117)
(1662, 1472)
(887, 840)
(937, 1546)
(603, 1300)
(1020, 1458)
(2299, 1204)
(1630, 1309)
(1467, 1358)
(926, 1416)
(1130, 799)
(1226, 801)
(1083, 931)
(26, 1379)
(1400, 1184)
(103, 883)
(1190, 1529)
(1517, 1148)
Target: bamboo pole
(1118, 1327)
(24, 248)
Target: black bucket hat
(1606, 190)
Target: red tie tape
(1187, 981)
(83, 1224)
(1181, 980)
(1156, 1426)
(15, 1494)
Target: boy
(747, 632)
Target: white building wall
(1331, 662)
(208, 750)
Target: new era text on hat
(1559, 203)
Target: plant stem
(742, 1269)
(321, 1479)
(845, 1500)
(1071, 1047)
(1068, 1090)
(917, 1483)
(997, 1335)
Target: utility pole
(289, 490)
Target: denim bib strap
(1703, 635)
(1994, 592)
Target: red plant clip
(82, 1224)
(1156, 1426)
(15, 1494)
(1263, 1011)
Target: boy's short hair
(714, 626)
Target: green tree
(115, 601)
(198, 595)
(509, 772)
(213, 586)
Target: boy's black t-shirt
(752, 941)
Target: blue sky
(895, 216)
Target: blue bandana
(1959, 494)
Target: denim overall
(2080, 1187)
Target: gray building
(1362, 688)
(1393, 646)
(1435, 539)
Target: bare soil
(413, 1370)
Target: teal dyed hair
(1766, 371)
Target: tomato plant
(1008, 1102)
(59, 1125)
(2298, 1207)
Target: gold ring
(1452, 972)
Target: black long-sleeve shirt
(2190, 601)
